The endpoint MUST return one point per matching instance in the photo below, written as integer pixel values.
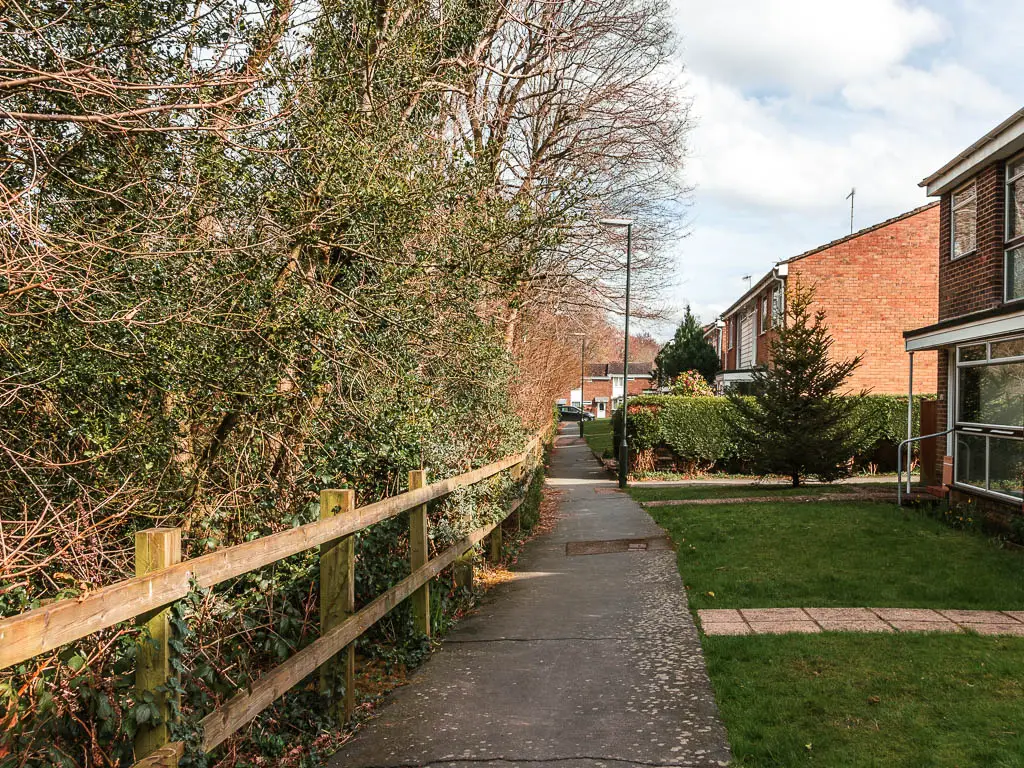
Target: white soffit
(980, 329)
(1006, 139)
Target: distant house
(872, 285)
(979, 331)
(713, 335)
(602, 387)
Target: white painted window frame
(953, 208)
(1010, 243)
(988, 431)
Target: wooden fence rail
(162, 579)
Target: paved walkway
(581, 660)
(777, 621)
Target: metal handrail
(899, 462)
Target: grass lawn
(598, 434)
(851, 699)
(839, 553)
(868, 700)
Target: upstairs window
(1014, 258)
(778, 307)
(764, 313)
(732, 332)
(1015, 198)
(964, 235)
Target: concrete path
(581, 660)
(777, 621)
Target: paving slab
(784, 627)
(855, 625)
(578, 660)
(774, 614)
(924, 626)
(976, 617)
(909, 614)
(841, 614)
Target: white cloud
(809, 46)
(945, 93)
(791, 153)
(797, 101)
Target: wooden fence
(162, 577)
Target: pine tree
(687, 351)
(797, 423)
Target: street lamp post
(583, 352)
(624, 444)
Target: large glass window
(992, 394)
(965, 221)
(990, 416)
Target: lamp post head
(617, 222)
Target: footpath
(587, 657)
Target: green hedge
(697, 428)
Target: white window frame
(732, 332)
(988, 431)
(953, 208)
(763, 325)
(1010, 243)
(778, 307)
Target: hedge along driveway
(836, 554)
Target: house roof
(1002, 141)
(755, 289)
(609, 369)
(860, 232)
(781, 267)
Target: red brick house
(979, 333)
(602, 387)
(872, 284)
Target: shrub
(696, 429)
(691, 384)
(693, 428)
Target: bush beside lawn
(697, 431)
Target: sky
(797, 101)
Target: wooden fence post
(462, 570)
(419, 553)
(155, 549)
(338, 601)
(494, 541)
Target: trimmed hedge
(696, 429)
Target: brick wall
(872, 288)
(603, 388)
(974, 282)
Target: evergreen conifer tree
(797, 423)
(687, 351)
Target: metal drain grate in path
(652, 544)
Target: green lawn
(871, 700)
(852, 700)
(839, 553)
(598, 434)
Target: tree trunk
(796, 480)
